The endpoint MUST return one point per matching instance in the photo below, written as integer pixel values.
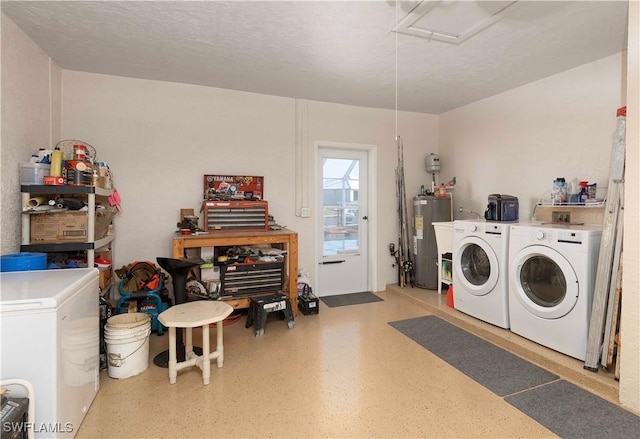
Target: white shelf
(90, 245)
(444, 242)
(572, 205)
(545, 200)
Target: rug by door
(350, 299)
(562, 407)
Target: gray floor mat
(572, 412)
(562, 407)
(498, 370)
(350, 299)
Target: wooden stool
(260, 307)
(191, 315)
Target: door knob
(365, 217)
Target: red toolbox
(232, 216)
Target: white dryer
(480, 282)
(552, 271)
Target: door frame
(372, 222)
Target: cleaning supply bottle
(559, 191)
(56, 163)
(442, 190)
(583, 195)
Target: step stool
(260, 307)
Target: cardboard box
(186, 212)
(49, 228)
(105, 278)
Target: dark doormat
(567, 410)
(572, 412)
(498, 370)
(350, 299)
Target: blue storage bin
(23, 262)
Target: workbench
(284, 239)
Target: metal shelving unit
(90, 245)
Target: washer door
(476, 265)
(544, 282)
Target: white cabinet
(91, 244)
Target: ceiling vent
(451, 21)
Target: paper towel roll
(37, 201)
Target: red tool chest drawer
(236, 215)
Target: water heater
(432, 163)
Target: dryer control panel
(570, 237)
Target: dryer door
(476, 266)
(543, 281)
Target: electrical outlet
(561, 217)
(305, 212)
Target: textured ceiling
(343, 52)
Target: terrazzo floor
(342, 373)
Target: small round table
(191, 315)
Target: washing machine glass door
(544, 282)
(476, 264)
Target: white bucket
(80, 352)
(127, 340)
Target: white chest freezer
(50, 334)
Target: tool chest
(247, 278)
(236, 215)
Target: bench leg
(188, 345)
(288, 315)
(250, 315)
(173, 357)
(219, 344)
(206, 359)
(261, 320)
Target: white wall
(630, 319)
(29, 119)
(160, 139)
(518, 142)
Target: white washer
(552, 271)
(480, 282)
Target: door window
(341, 205)
(475, 265)
(543, 281)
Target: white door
(342, 213)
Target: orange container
(450, 296)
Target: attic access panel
(451, 21)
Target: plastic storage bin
(33, 173)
